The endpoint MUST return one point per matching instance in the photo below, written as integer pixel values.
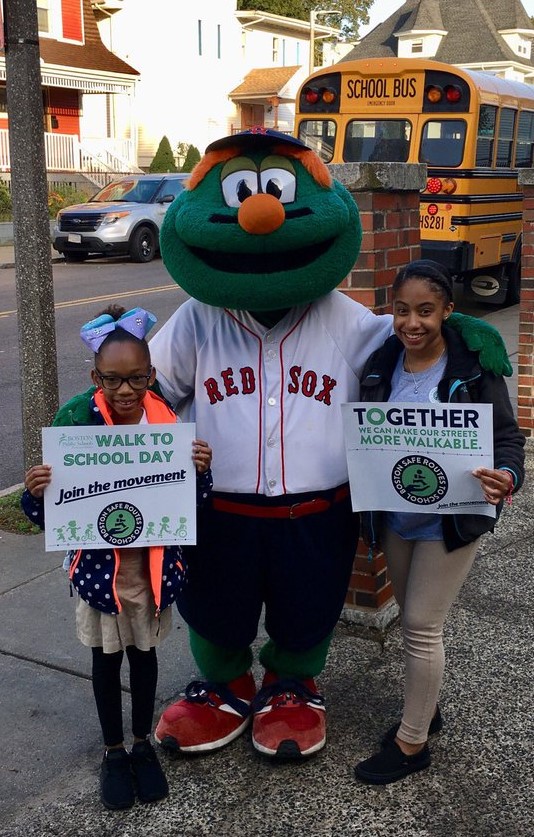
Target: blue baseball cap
(260, 135)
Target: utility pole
(314, 14)
(29, 190)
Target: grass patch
(12, 518)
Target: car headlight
(113, 217)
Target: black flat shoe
(116, 780)
(390, 764)
(150, 781)
(436, 725)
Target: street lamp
(314, 14)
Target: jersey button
(272, 483)
(271, 401)
(271, 443)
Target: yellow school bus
(471, 129)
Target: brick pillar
(387, 195)
(525, 361)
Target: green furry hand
(479, 336)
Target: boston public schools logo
(419, 480)
(120, 524)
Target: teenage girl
(134, 614)
(428, 555)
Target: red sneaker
(289, 718)
(208, 717)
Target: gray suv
(123, 218)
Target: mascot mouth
(276, 262)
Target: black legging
(107, 691)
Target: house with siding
(88, 95)
(492, 36)
(206, 69)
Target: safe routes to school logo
(120, 524)
(419, 480)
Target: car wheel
(75, 257)
(143, 245)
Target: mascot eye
(238, 186)
(280, 183)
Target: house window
(43, 15)
(200, 37)
(417, 47)
(275, 49)
(3, 100)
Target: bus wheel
(513, 290)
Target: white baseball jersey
(268, 399)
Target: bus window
(386, 141)
(320, 136)
(525, 134)
(486, 135)
(506, 138)
(442, 142)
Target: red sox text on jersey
(306, 383)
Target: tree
(164, 158)
(191, 158)
(352, 14)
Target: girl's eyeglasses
(137, 382)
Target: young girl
(138, 615)
(429, 555)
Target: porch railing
(100, 159)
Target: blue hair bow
(137, 322)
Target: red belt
(286, 512)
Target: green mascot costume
(261, 357)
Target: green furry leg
(301, 664)
(218, 664)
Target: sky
(382, 9)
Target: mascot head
(261, 225)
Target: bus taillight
(453, 93)
(434, 94)
(316, 95)
(449, 186)
(433, 185)
(328, 95)
(432, 209)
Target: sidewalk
(481, 782)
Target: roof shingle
(472, 30)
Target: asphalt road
(80, 293)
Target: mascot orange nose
(261, 214)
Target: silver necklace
(409, 368)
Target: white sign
(418, 457)
(120, 486)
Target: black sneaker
(149, 777)
(116, 780)
(436, 725)
(390, 764)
